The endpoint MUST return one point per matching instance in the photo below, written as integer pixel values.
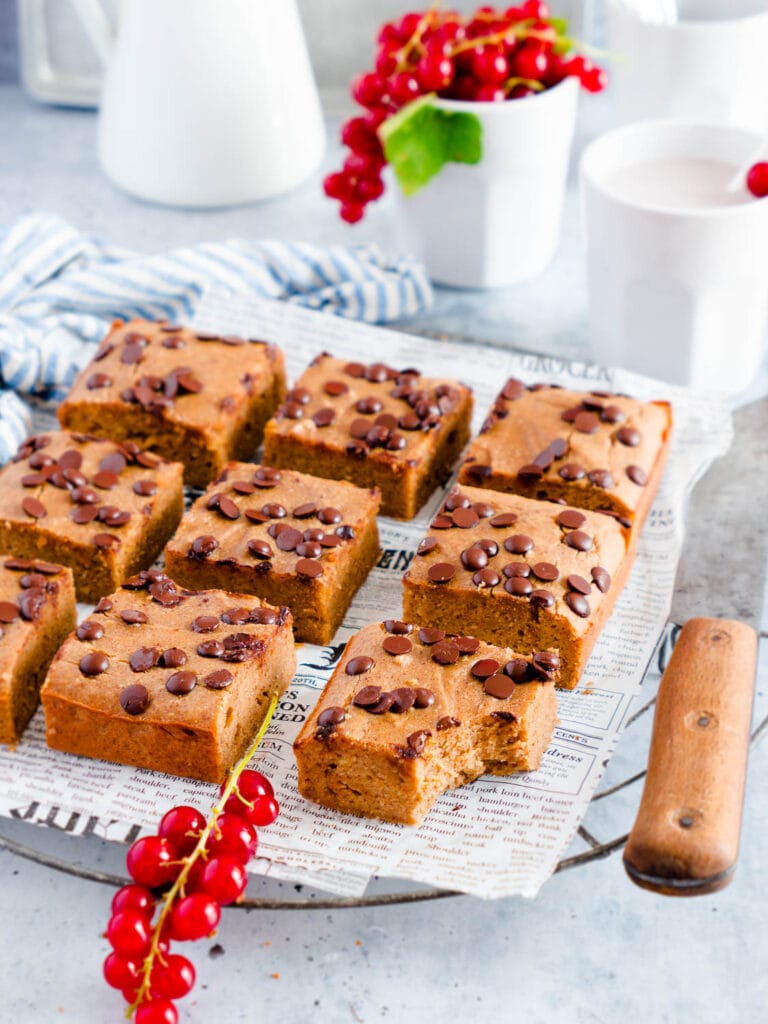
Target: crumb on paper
(275, 975)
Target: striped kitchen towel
(60, 290)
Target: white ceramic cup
(680, 294)
(497, 222)
(710, 65)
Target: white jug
(204, 102)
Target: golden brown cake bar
(200, 399)
(592, 450)
(102, 508)
(372, 425)
(288, 537)
(521, 573)
(158, 677)
(410, 712)
(37, 611)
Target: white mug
(202, 103)
(677, 293)
(497, 222)
(709, 65)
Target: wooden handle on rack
(685, 840)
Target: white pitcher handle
(40, 77)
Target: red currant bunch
(491, 56)
(757, 180)
(182, 877)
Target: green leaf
(421, 138)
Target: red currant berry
(434, 71)
(535, 9)
(368, 89)
(490, 94)
(157, 1011)
(530, 61)
(224, 878)
(182, 827)
(514, 14)
(361, 138)
(408, 24)
(404, 88)
(362, 165)
(519, 92)
(464, 88)
(389, 36)
(490, 66)
(194, 917)
(594, 80)
(386, 63)
(338, 186)
(150, 861)
(352, 211)
(129, 933)
(232, 834)
(134, 897)
(366, 190)
(757, 179)
(376, 116)
(172, 979)
(120, 972)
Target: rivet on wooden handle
(685, 840)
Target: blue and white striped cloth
(60, 289)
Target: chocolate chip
(94, 663)
(490, 547)
(445, 652)
(426, 545)
(518, 586)
(579, 540)
(484, 668)
(309, 568)
(205, 623)
(637, 475)
(447, 722)
(305, 511)
(423, 697)
(547, 662)
(474, 558)
(112, 516)
(357, 449)
(403, 699)
(134, 699)
(265, 616)
(483, 510)
(542, 599)
(274, 510)
(612, 414)
(519, 670)
(359, 428)
(478, 472)
(465, 518)
(571, 471)
(145, 488)
(546, 571)
(409, 421)
(105, 480)
(288, 538)
(441, 572)
(512, 390)
(517, 570)
(601, 478)
(114, 463)
(104, 604)
(335, 388)
(601, 578)
(32, 480)
(355, 370)
(236, 616)
(243, 487)
(181, 682)
(265, 477)
(518, 544)
(70, 459)
(377, 373)
(499, 686)
(579, 584)
(345, 532)
(173, 341)
(34, 508)
(357, 666)
(324, 417)
(132, 354)
(228, 508)
(369, 406)
(530, 472)
(417, 741)
(578, 604)
(174, 657)
(329, 540)
(428, 635)
(386, 702)
(628, 436)
(133, 617)
(441, 523)
(166, 593)
(219, 680)
(210, 649)
(203, 546)
(571, 519)
(144, 659)
(397, 645)
(367, 697)
(397, 627)
(256, 515)
(329, 516)
(9, 611)
(87, 630)
(504, 519)
(292, 410)
(586, 423)
(105, 540)
(486, 578)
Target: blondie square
(37, 612)
(372, 425)
(591, 450)
(530, 575)
(104, 509)
(199, 399)
(287, 537)
(410, 712)
(161, 678)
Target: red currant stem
(188, 862)
(414, 43)
(530, 83)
